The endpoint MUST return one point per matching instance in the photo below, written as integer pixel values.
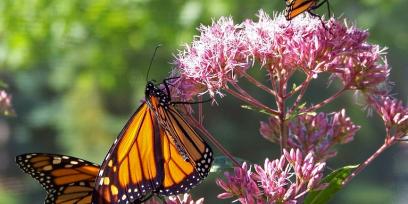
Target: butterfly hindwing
(187, 157)
(66, 179)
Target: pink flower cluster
(282, 180)
(224, 50)
(6, 107)
(319, 133)
(393, 113)
(316, 133)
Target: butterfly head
(160, 95)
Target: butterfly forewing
(132, 168)
(66, 179)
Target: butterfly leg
(290, 22)
(166, 86)
(320, 4)
(192, 102)
(320, 18)
(165, 81)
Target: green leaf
(248, 107)
(334, 180)
(298, 111)
(223, 163)
(294, 86)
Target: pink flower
(283, 46)
(343, 129)
(393, 113)
(363, 69)
(213, 57)
(240, 184)
(319, 133)
(275, 180)
(270, 129)
(307, 171)
(283, 180)
(6, 107)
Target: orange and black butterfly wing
(66, 179)
(296, 7)
(187, 157)
(133, 166)
(156, 152)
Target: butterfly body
(157, 152)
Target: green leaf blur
(334, 181)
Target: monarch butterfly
(296, 7)
(66, 179)
(157, 152)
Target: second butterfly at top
(157, 152)
(296, 7)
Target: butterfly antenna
(151, 61)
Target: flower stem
(280, 102)
(257, 83)
(298, 196)
(303, 89)
(388, 143)
(328, 100)
(252, 101)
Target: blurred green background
(77, 68)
